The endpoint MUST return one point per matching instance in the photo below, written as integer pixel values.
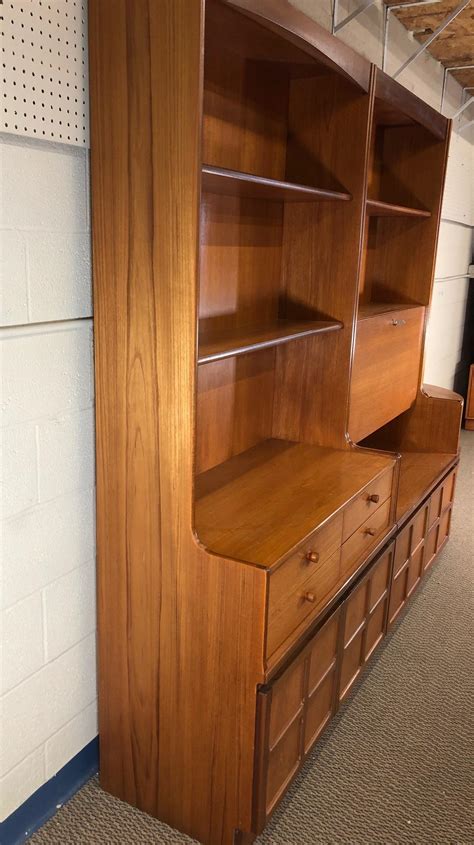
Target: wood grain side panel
(176, 626)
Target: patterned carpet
(396, 765)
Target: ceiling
(454, 46)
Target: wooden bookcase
(265, 214)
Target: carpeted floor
(396, 765)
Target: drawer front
(359, 510)
(362, 540)
(306, 600)
(292, 713)
(385, 371)
(295, 570)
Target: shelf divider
(214, 346)
(219, 180)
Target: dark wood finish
(385, 369)
(239, 341)
(377, 208)
(218, 180)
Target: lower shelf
(419, 472)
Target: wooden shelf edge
(378, 208)
(219, 180)
(218, 350)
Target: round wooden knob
(310, 597)
(371, 532)
(373, 497)
(312, 557)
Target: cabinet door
(409, 561)
(386, 366)
(364, 621)
(292, 713)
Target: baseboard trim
(45, 802)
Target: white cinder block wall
(48, 590)
(48, 596)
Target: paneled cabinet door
(364, 621)
(439, 509)
(409, 561)
(292, 713)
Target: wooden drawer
(366, 536)
(361, 508)
(292, 713)
(295, 570)
(306, 600)
(385, 371)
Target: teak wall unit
(273, 479)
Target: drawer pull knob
(399, 322)
(312, 557)
(373, 497)
(370, 531)
(310, 597)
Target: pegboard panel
(458, 200)
(44, 70)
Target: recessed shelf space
(220, 180)
(238, 341)
(259, 504)
(378, 208)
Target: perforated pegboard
(44, 69)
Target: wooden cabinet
(385, 373)
(419, 542)
(260, 288)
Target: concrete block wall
(48, 590)
(48, 596)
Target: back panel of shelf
(274, 111)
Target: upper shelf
(377, 208)
(216, 345)
(219, 180)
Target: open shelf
(419, 472)
(377, 208)
(258, 505)
(214, 346)
(372, 309)
(219, 180)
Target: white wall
(48, 591)
(48, 598)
